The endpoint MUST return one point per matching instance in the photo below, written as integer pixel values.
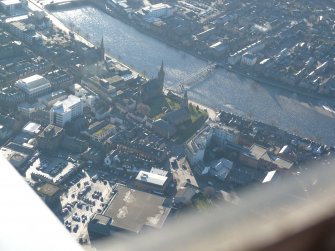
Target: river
(222, 90)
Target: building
(221, 168)
(130, 211)
(25, 32)
(74, 145)
(154, 87)
(151, 181)
(249, 59)
(163, 128)
(50, 138)
(32, 128)
(27, 109)
(7, 127)
(11, 7)
(60, 79)
(17, 155)
(196, 146)
(64, 111)
(51, 170)
(10, 96)
(185, 194)
(34, 86)
(178, 117)
(259, 157)
(49, 193)
(217, 133)
(104, 132)
(50, 99)
(157, 10)
(223, 134)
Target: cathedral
(154, 87)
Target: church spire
(161, 73)
(102, 49)
(162, 66)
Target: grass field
(185, 131)
(158, 104)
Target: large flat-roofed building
(157, 10)
(34, 86)
(17, 155)
(151, 181)
(64, 111)
(17, 159)
(51, 170)
(10, 7)
(130, 211)
(32, 128)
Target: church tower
(160, 78)
(161, 73)
(185, 99)
(102, 49)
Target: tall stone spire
(102, 49)
(161, 73)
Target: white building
(50, 99)
(217, 133)
(11, 7)
(64, 111)
(223, 134)
(34, 86)
(157, 10)
(249, 59)
(28, 108)
(32, 128)
(87, 98)
(196, 146)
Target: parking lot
(83, 199)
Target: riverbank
(222, 90)
(258, 79)
(60, 25)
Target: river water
(222, 90)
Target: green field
(157, 104)
(187, 130)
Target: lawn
(202, 203)
(157, 104)
(187, 130)
(196, 113)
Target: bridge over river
(193, 79)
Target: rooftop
(33, 82)
(48, 189)
(10, 2)
(51, 131)
(152, 178)
(14, 157)
(157, 6)
(32, 128)
(65, 105)
(131, 210)
(257, 151)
